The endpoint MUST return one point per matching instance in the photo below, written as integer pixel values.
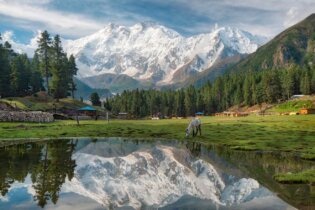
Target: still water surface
(119, 173)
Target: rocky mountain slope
(153, 54)
(296, 45)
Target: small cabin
(199, 114)
(88, 111)
(122, 115)
(296, 96)
(305, 111)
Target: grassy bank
(281, 133)
(304, 177)
(42, 102)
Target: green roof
(87, 108)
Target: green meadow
(292, 134)
(295, 134)
(304, 177)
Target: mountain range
(125, 175)
(151, 55)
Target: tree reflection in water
(49, 164)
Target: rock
(16, 116)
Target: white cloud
(57, 22)
(30, 2)
(267, 17)
(19, 47)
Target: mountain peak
(148, 24)
(151, 53)
(142, 26)
(111, 26)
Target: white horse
(195, 125)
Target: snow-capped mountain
(151, 52)
(155, 177)
(120, 174)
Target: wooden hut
(122, 115)
(199, 114)
(88, 111)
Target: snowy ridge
(156, 177)
(151, 52)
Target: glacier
(152, 52)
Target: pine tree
(21, 74)
(5, 72)
(190, 101)
(207, 98)
(59, 70)
(72, 71)
(44, 48)
(180, 103)
(287, 83)
(171, 103)
(95, 99)
(36, 80)
(10, 51)
(260, 97)
(135, 105)
(271, 85)
(217, 92)
(200, 106)
(313, 80)
(248, 90)
(305, 85)
(143, 109)
(238, 97)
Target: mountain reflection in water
(131, 174)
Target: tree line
(49, 165)
(244, 88)
(22, 76)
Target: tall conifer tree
(44, 48)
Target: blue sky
(76, 18)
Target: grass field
(304, 177)
(282, 133)
(42, 103)
(292, 106)
(292, 134)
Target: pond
(118, 173)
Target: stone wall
(16, 116)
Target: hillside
(295, 105)
(84, 90)
(40, 102)
(295, 45)
(114, 82)
(212, 73)
(285, 107)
